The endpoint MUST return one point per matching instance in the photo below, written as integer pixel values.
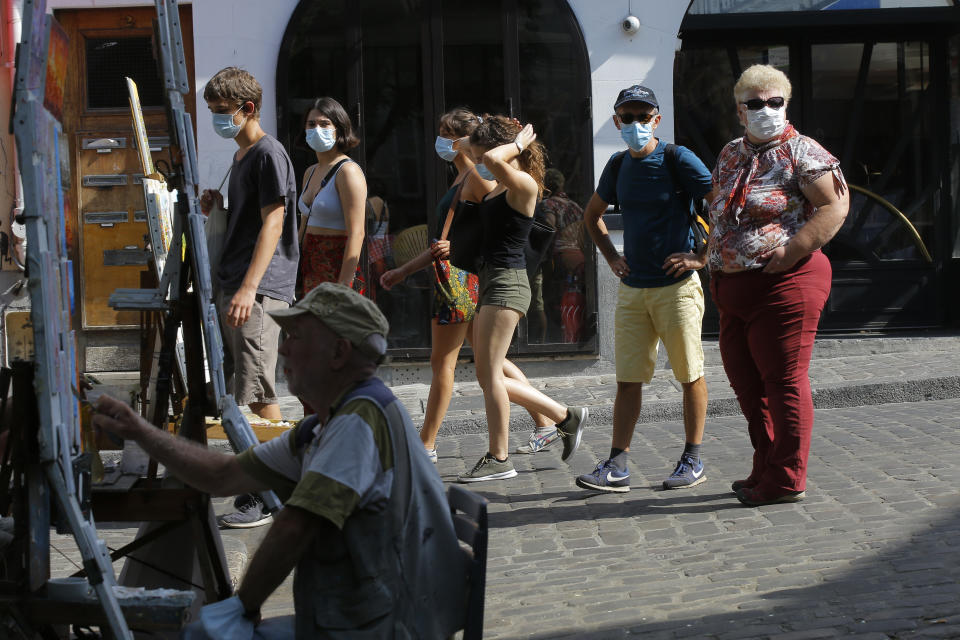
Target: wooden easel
(49, 478)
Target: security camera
(630, 24)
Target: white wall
(247, 34)
(240, 33)
(619, 60)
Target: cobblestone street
(872, 551)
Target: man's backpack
(698, 210)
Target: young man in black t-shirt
(258, 265)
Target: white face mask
(766, 123)
(321, 140)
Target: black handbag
(466, 237)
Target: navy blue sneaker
(606, 477)
(688, 473)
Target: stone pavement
(873, 550)
(845, 371)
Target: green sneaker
(489, 468)
(572, 431)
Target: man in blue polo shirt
(660, 297)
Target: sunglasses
(756, 103)
(628, 118)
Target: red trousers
(768, 323)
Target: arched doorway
(396, 67)
(870, 85)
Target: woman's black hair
(346, 138)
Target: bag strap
(672, 157)
(333, 170)
(225, 176)
(615, 165)
(313, 170)
(453, 208)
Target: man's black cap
(637, 93)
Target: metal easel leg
(94, 552)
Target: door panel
(113, 226)
(105, 45)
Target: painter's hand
(116, 417)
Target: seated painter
(365, 519)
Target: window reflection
(399, 66)
(763, 6)
(879, 124)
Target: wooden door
(107, 230)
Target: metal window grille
(110, 60)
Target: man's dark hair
(236, 85)
(346, 138)
(553, 181)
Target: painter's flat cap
(637, 93)
(346, 313)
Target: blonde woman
(780, 196)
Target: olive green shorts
(503, 287)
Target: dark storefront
(396, 67)
(879, 89)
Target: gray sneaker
(489, 468)
(539, 442)
(432, 454)
(250, 513)
(572, 431)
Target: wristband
(519, 146)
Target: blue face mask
(636, 135)
(224, 126)
(484, 172)
(321, 140)
(444, 148)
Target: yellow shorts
(673, 314)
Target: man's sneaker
(606, 477)
(539, 442)
(489, 468)
(688, 473)
(250, 513)
(432, 454)
(572, 431)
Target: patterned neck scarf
(749, 154)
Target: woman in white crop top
(333, 201)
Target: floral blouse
(759, 205)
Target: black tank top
(505, 233)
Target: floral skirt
(455, 294)
(322, 260)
